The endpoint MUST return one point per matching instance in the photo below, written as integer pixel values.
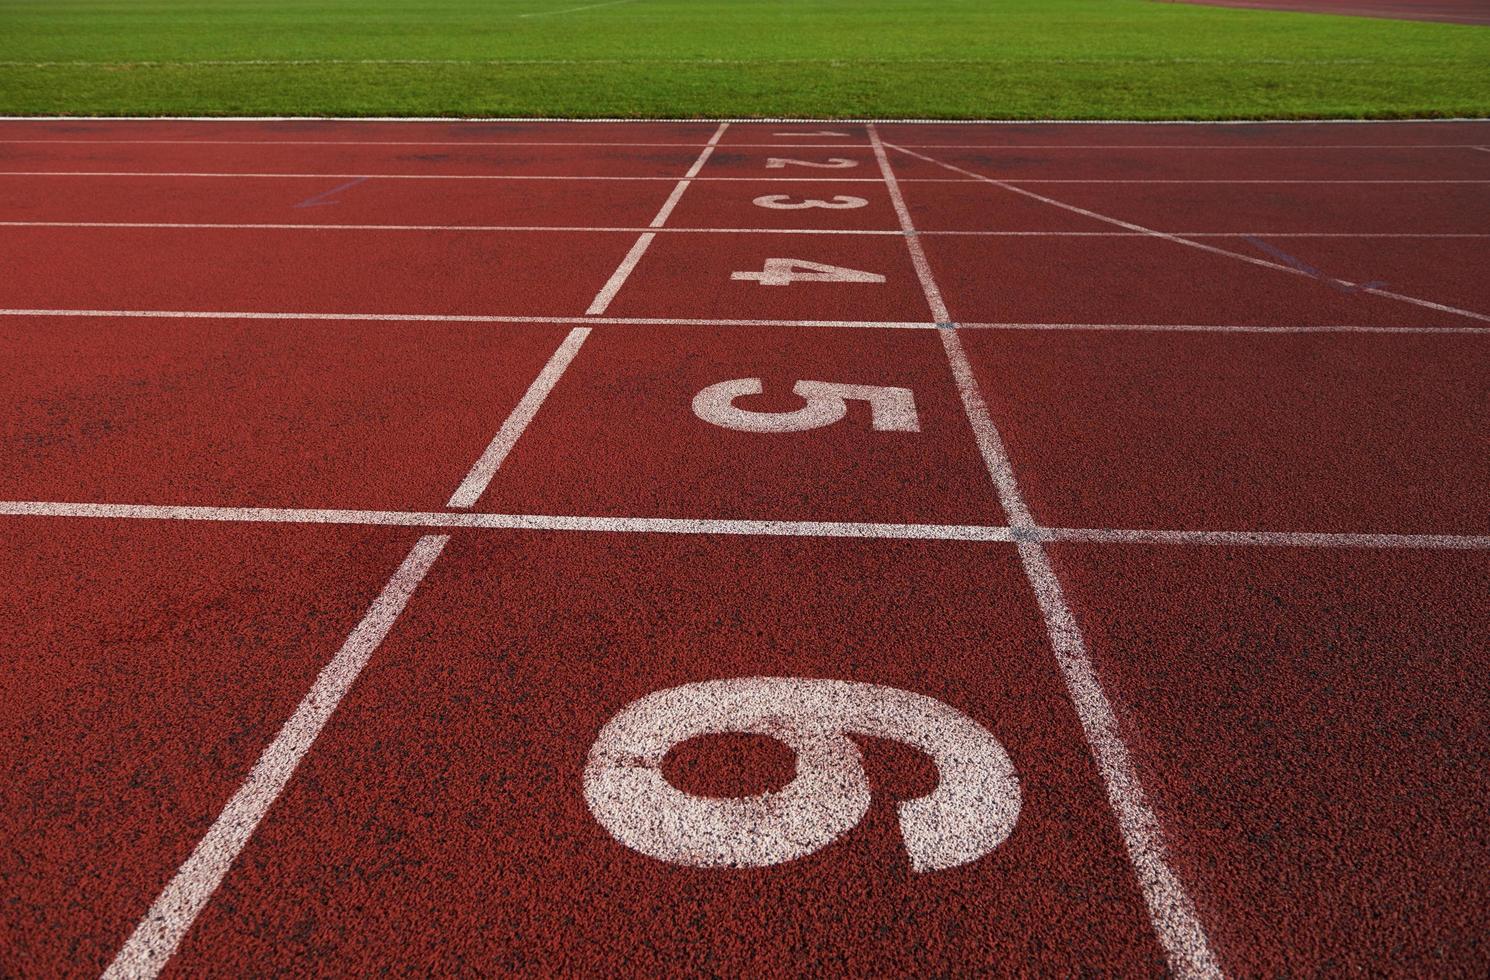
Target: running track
(401, 522)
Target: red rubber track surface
(1219, 391)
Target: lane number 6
(972, 810)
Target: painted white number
(784, 272)
(832, 163)
(972, 810)
(783, 202)
(890, 409)
(820, 132)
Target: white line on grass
(485, 468)
(468, 120)
(441, 520)
(1170, 909)
(1190, 243)
(573, 10)
(158, 934)
(618, 278)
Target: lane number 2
(784, 272)
(832, 163)
(972, 810)
(891, 409)
(784, 202)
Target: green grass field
(894, 58)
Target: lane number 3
(972, 810)
(784, 202)
(891, 409)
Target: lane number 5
(891, 409)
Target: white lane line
(1173, 914)
(1222, 328)
(792, 180)
(914, 146)
(559, 318)
(1168, 146)
(170, 917)
(324, 176)
(706, 322)
(573, 10)
(1270, 539)
(485, 468)
(156, 937)
(624, 229)
(694, 145)
(908, 228)
(1191, 243)
(565, 318)
(618, 278)
(623, 272)
(1175, 920)
(442, 520)
(506, 522)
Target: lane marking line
(472, 143)
(1270, 539)
(475, 521)
(1191, 243)
(175, 909)
(157, 935)
(314, 176)
(908, 229)
(619, 229)
(573, 10)
(560, 318)
(617, 143)
(1224, 328)
(485, 468)
(1176, 923)
(507, 522)
(837, 180)
(618, 278)
(706, 322)
(623, 272)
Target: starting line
(441, 520)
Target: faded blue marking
(1309, 270)
(321, 198)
